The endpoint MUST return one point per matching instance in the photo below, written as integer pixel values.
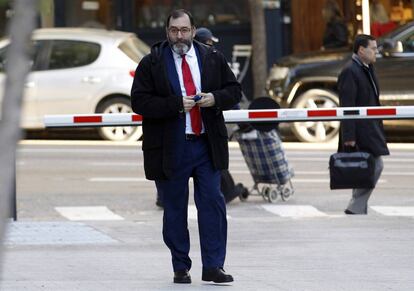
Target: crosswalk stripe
(294, 210)
(81, 213)
(118, 179)
(394, 210)
(192, 212)
(102, 213)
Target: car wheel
(118, 133)
(316, 131)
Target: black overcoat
(357, 89)
(152, 96)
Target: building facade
(292, 26)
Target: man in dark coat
(358, 87)
(178, 146)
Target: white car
(79, 71)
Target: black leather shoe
(348, 212)
(182, 277)
(216, 275)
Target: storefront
(385, 15)
(229, 20)
(291, 25)
(359, 16)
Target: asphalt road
(99, 173)
(87, 221)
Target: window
(69, 54)
(408, 44)
(34, 53)
(134, 48)
(153, 13)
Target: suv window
(69, 54)
(134, 48)
(408, 44)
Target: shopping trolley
(267, 163)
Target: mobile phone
(197, 98)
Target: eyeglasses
(183, 30)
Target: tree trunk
(259, 53)
(46, 9)
(17, 68)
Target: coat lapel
(171, 71)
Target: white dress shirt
(192, 62)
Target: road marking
(387, 173)
(394, 210)
(118, 179)
(113, 151)
(332, 145)
(88, 213)
(137, 179)
(296, 180)
(296, 211)
(81, 142)
(192, 212)
(117, 164)
(291, 158)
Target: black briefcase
(349, 170)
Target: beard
(180, 47)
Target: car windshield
(134, 48)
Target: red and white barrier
(240, 116)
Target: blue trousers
(210, 203)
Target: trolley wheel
(266, 192)
(244, 193)
(273, 195)
(286, 192)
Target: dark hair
(362, 40)
(178, 13)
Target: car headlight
(278, 73)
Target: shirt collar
(358, 60)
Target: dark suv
(309, 81)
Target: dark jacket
(358, 89)
(155, 96)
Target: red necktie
(190, 89)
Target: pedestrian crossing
(88, 213)
(103, 213)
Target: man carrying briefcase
(358, 87)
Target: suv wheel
(319, 131)
(118, 133)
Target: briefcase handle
(351, 149)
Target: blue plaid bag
(265, 156)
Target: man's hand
(188, 103)
(350, 143)
(207, 100)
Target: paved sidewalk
(264, 253)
